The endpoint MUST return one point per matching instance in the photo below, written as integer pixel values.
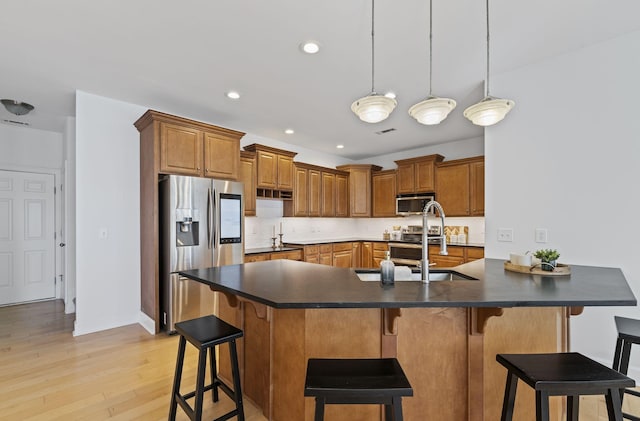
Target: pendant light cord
(372, 45)
(430, 44)
(486, 88)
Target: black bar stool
(357, 381)
(628, 334)
(205, 333)
(562, 374)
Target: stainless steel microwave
(412, 204)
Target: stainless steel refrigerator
(201, 225)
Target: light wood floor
(119, 374)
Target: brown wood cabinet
(379, 251)
(301, 197)
(359, 188)
(417, 175)
(248, 177)
(290, 254)
(328, 207)
(274, 169)
(326, 254)
(460, 186)
(356, 254)
(366, 255)
(342, 195)
(248, 258)
(312, 254)
(174, 145)
(457, 255)
(342, 255)
(384, 193)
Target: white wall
(567, 159)
(69, 205)
(25, 148)
(107, 197)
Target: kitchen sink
(434, 275)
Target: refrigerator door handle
(209, 219)
(213, 217)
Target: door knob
(62, 244)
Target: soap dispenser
(387, 270)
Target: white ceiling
(182, 56)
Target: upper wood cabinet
(328, 207)
(189, 147)
(248, 177)
(460, 186)
(342, 195)
(274, 167)
(359, 188)
(384, 193)
(417, 175)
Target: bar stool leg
(214, 373)
(397, 408)
(509, 397)
(617, 354)
(614, 405)
(177, 378)
(542, 406)
(202, 368)
(573, 408)
(235, 372)
(319, 415)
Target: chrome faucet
(424, 268)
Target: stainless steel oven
(406, 254)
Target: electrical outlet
(103, 233)
(505, 234)
(542, 235)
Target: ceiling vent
(385, 131)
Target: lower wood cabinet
(326, 254)
(342, 255)
(457, 255)
(260, 257)
(248, 258)
(379, 253)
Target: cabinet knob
(207, 170)
(198, 168)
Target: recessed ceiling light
(289, 131)
(310, 47)
(233, 95)
(340, 146)
(391, 95)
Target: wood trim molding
(151, 115)
(262, 310)
(575, 311)
(479, 318)
(390, 321)
(257, 147)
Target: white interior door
(27, 253)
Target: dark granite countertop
(378, 240)
(293, 284)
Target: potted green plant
(548, 258)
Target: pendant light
(490, 110)
(433, 109)
(374, 107)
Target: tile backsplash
(259, 229)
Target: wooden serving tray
(537, 270)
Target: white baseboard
(147, 323)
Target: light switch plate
(542, 235)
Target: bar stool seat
(205, 333)
(562, 374)
(357, 381)
(628, 334)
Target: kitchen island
(445, 333)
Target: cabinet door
(360, 192)
(425, 176)
(248, 177)
(248, 258)
(343, 259)
(356, 255)
(301, 192)
(180, 150)
(221, 156)
(312, 254)
(476, 170)
(328, 194)
(367, 255)
(342, 195)
(452, 189)
(315, 193)
(285, 172)
(384, 194)
(325, 259)
(267, 169)
(406, 178)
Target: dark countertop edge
(262, 250)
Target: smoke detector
(16, 107)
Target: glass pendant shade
(373, 108)
(489, 111)
(432, 110)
